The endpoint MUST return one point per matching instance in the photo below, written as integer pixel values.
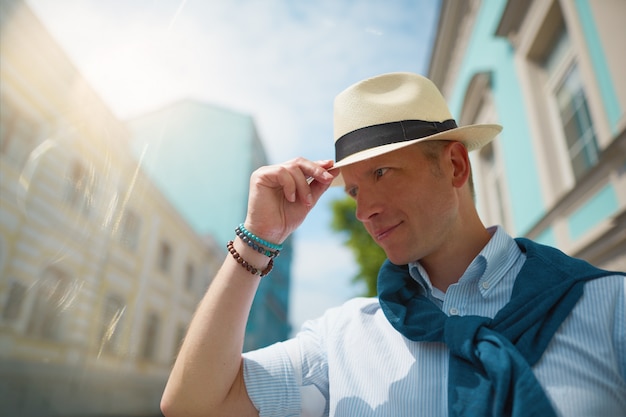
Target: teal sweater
(490, 359)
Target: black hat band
(387, 133)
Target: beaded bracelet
(260, 241)
(255, 246)
(245, 264)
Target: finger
(294, 177)
(318, 171)
(300, 180)
(286, 180)
(325, 163)
(318, 188)
(322, 181)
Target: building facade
(552, 73)
(201, 156)
(99, 273)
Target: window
(7, 116)
(112, 314)
(53, 294)
(189, 276)
(129, 229)
(479, 107)
(566, 88)
(18, 132)
(14, 301)
(80, 187)
(165, 257)
(492, 177)
(181, 331)
(151, 330)
(582, 145)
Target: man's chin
(397, 259)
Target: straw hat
(391, 111)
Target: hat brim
(472, 136)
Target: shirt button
(454, 312)
(485, 285)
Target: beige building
(99, 275)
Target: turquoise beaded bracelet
(270, 245)
(255, 246)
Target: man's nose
(367, 206)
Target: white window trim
(478, 107)
(557, 151)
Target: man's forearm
(206, 376)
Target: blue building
(201, 157)
(552, 73)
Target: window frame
(129, 229)
(53, 292)
(532, 37)
(111, 325)
(479, 107)
(165, 256)
(554, 81)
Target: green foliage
(368, 254)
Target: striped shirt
(351, 362)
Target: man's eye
(380, 172)
(352, 192)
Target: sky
(280, 61)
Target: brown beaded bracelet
(245, 264)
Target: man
(468, 322)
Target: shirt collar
(486, 270)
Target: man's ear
(459, 158)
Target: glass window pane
(13, 303)
(576, 122)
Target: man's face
(405, 201)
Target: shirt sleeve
(290, 378)
(620, 329)
(271, 382)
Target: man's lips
(384, 232)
